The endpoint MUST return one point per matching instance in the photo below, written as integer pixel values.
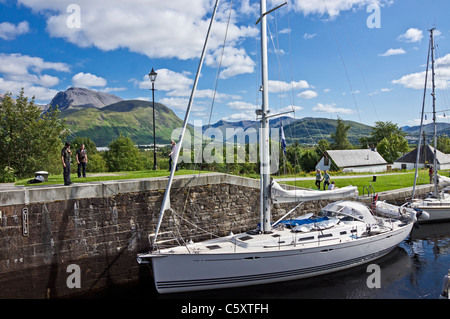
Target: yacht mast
(433, 94)
(264, 134)
(166, 199)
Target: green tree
(389, 139)
(443, 144)
(392, 148)
(30, 140)
(309, 160)
(322, 146)
(123, 155)
(339, 137)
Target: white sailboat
(437, 205)
(343, 235)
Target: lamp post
(152, 75)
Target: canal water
(414, 270)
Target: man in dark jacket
(82, 160)
(65, 158)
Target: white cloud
(280, 86)
(158, 29)
(48, 80)
(308, 94)
(417, 80)
(243, 116)
(39, 92)
(331, 108)
(9, 31)
(88, 80)
(168, 80)
(308, 36)
(22, 71)
(19, 64)
(332, 8)
(233, 62)
(240, 105)
(411, 35)
(393, 52)
(179, 104)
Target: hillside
(244, 125)
(88, 114)
(310, 130)
(132, 118)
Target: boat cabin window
(335, 212)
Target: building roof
(356, 158)
(426, 154)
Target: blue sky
(361, 60)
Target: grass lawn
(384, 182)
(97, 177)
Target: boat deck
(279, 239)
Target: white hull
(438, 209)
(437, 214)
(176, 272)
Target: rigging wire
(209, 120)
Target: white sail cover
(443, 180)
(280, 195)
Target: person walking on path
(326, 180)
(65, 158)
(171, 154)
(82, 160)
(318, 178)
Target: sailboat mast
(166, 199)
(433, 94)
(264, 134)
(421, 124)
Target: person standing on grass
(82, 160)
(171, 155)
(430, 173)
(326, 180)
(318, 178)
(65, 158)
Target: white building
(426, 158)
(363, 160)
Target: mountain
(240, 128)
(82, 98)
(90, 114)
(132, 118)
(310, 130)
(427, 128)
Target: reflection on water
(414, 270)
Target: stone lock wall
(101, 228)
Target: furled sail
(280, 195)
